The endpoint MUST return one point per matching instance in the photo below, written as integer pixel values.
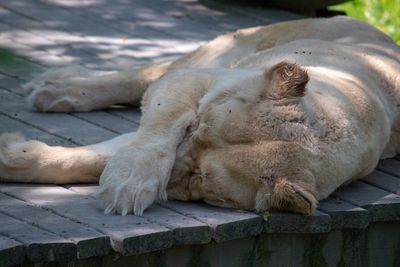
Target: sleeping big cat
(267, 118)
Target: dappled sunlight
(3, 11)
(61, 43)
(109, 35)
(87, 32)
(73, 3)
(141, 38)
(344, 76)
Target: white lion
(266, 118)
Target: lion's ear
(286, 80)
(292, 196)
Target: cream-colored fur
(273, 117)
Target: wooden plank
(382, 205)
(226, 224)
(119, 17)
(391, 166)
(41, 245)
(102, 119)
(10, 125)
(30, 46)
(344, 214)
(11, 63)
(129, 234)
(186, 230)
(89, 242)
(61, 125)
(33, 15)
(195, 15)
(20, 67)
(383, 181)
(279, 222)
(45, 44)
(113, 51)
(53, 49)
(83, 189)
(110, 41)
(92, 32)
(118, 63)
(127, 113)
(11, 252)
(217, 19)
(167, 16)
(11, 84)
(108, 121)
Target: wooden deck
(46, 223)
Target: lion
(265, 118)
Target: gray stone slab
(391, 166)
(129, 234)
(384, 181)
(381, 205)
(41, 245)
(344, 214)
(11, 252)
(61, 125)
(279, 222)
(186, 230)
(89, 242)
(226, 224)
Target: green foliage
(266, 216)
(383, 14)
(16, 65)
(6, 57)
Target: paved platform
(47, 223)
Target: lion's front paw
(18, 158)
(60, 90)
(133, 179)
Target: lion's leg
(36, 162)
(138, 174)
(76, 89)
